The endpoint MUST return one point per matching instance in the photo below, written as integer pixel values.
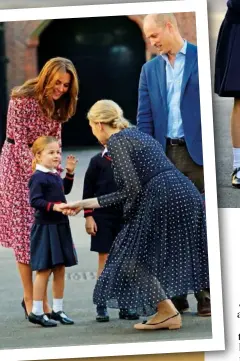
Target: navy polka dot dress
(161, 250)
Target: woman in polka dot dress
(161, 251)
(36, 108)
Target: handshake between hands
(69, 209)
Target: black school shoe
(61, 317)
(41, 320)
(181, 303)
(204, 303)
(235, 179)
(125, 314)
(102, 314)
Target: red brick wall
(21, 51)
(21, 45)
(187, 26)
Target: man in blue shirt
(169, 108)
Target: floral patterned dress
(25, 123)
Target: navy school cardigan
(46, 189)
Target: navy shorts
(108, 229)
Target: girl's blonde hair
(39, 145)
(41, 88)
(108, 112)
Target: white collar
(104, 151)
(44, 169)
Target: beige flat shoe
(171, 323)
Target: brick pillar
(31, 64)
(187, 26)
(21, 51)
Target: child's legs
(46, 307)
(102, 258)
(40, 284)
(235, 124)
(58, 281)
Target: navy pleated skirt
(227, 74)
(52, 245)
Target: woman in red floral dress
(38, 107)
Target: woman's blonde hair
(108, 112)
(41, 88)
(39, 145)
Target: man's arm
(144, 114)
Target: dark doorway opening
(3, 87)
(108, 53)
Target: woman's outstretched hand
(71, 209)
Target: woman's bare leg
(25, 272)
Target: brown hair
(39, 145)
(108, 112)
(41, 88)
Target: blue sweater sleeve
(36, 194)
(68, 183)
(89, 184)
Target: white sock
(236, 160)
(37, 308)
(57, 304)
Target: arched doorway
(108, 53)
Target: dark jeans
(179, 156)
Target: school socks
(57, 304)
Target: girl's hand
(58, 207)
(71, 212)
(71, 164)
(91, 226)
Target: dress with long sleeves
(25, 123)
(161, 250)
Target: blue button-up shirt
(174, 77)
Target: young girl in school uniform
(103, 224)
(52, 247)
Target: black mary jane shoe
(41, 320)
(102, 314)
(61, 317)
(181, 303)
(235, 179)
(128, 314)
